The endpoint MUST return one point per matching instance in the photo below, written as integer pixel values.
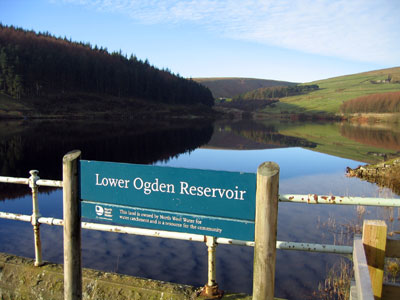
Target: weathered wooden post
(72, 227)
(362, 288)
(265, 231)
(374, 241)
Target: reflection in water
(41, 145)
(373, 136)
(381, 137)
(269, 135)
(246, 134)
(302, 172)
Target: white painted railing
(36, 219)
(34, 181)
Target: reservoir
(312, 157)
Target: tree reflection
(373, 136)
(41, 145)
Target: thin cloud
(361, 30)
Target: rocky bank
(385, 174)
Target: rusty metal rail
(36, 219)
(34, 182)
(40, 182)
(339, 200)
(310, 247)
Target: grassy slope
(228, 87)
(334, 91)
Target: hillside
(40, 67)
(268, 93)
(229, 87)
(333, 92)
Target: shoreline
(385, 174)
(82, 106)
(361, 118)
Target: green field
(334, 91)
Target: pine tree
(17, 87)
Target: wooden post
(265, 231)
(72, 227)
(374, 241)
(363, 285)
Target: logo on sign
(103, 211)
(99, 210)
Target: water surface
(297, 148)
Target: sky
(291, 40)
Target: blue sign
(215, 203)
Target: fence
(369, 255)
(36, 219)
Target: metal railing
(36, 219)
(341, 200)
(34, 182)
